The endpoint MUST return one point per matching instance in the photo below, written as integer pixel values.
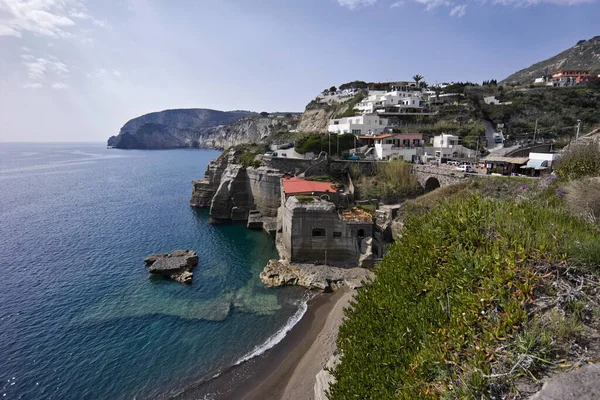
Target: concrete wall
(299, 220)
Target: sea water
(80, 317)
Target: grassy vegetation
(579, 161)
(370, 208)
(393, 180)
(245, 154)
(490, 286)
(302, 198)
(316, 142)
(448, 312)
(556, 110)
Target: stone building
(314, 230)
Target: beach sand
(288, 370)
(294, 378)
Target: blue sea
(80, 318)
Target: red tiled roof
(387, 135)
(296, 185)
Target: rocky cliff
(232, 191)
(316, 116)
(199, 128)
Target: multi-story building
(570, 77)
(358, 125)
(398, 101)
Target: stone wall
(317, 166)
(265, 186)
(443, 176)
(342, 167)
(339, 238)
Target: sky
(77, 70)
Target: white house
(358, 125)
(445, 141)
(448, 146)
(542, 159)
(392, 146)
(397, 99)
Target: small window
(337, 234)
(318, 232)
(361, 233)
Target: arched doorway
(431, 184)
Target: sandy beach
(294, 378)
(288, 370)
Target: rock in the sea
(177, 265)
(322, 277)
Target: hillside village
(339, 185)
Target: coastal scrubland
(490, 287)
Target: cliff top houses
(567, 77)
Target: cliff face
(316, 116)
(231, 191)
(200, 128)
(315, 120)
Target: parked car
(465, 168)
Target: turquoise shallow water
(79, 316)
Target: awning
(508, 160)
(536, 164)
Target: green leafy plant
(454, 288)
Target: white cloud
(354, 4)
(458, 11)
(38, 68)
(117, 73)
(33, 85)
(59, 85)
(526, 3)
(8, 31)
(433, 4)
(54, 18)
(397, 4)
(26, 49)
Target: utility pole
(578, 129)
(338, 145)
(329, 135)
(535, 131)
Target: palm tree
(417, 78)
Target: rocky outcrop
(233, 197)
(316, 120)
(177, 265)
(203, 190)
(321, 277)
(324, 379)
(581, 384)
(232, 191)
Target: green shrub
(453, 289)
(392, 181)
(370, 208)
(302, 198)
(579, 161)
(586, 254)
